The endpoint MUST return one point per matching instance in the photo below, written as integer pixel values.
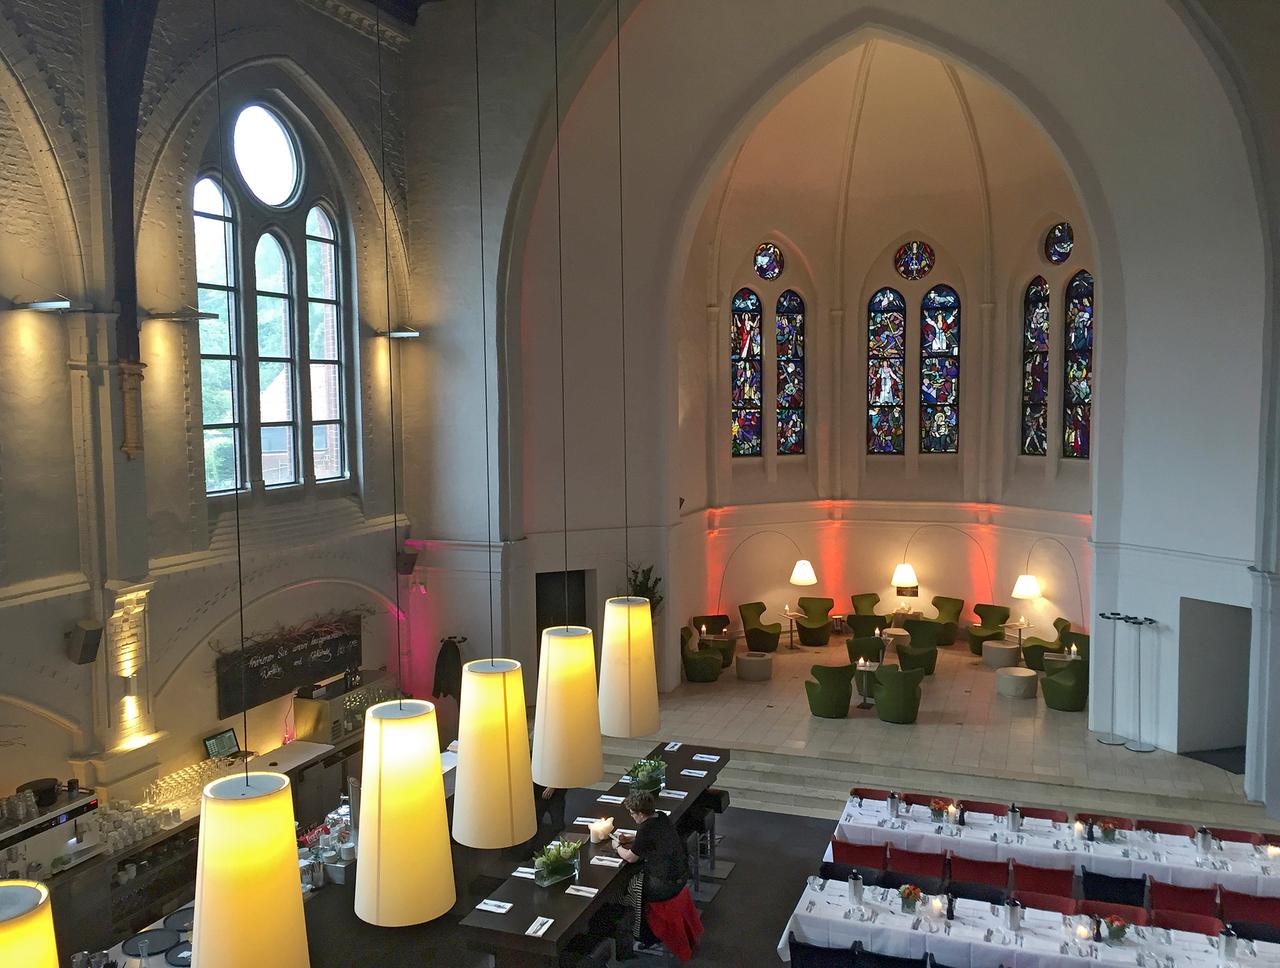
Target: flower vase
(909, 905)
(936, 815)
(555, 873)
(1108, 835)
(1115, 934)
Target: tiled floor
(964, 727)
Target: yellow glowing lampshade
(628, 674)
(26, 925)
(248, 891)
(905, 581)
(493, 786)
(405, 871)
(802, 573)
(1026, 587)
(566, 728)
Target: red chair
(859, 855)
(991, 872)
(1120, 823)
(1273, 839)
(921, 799)
(1047, 902)
(1101, 909)
(1182, 921)
(1166, 827)
(1186, 900)
(1237, 836)
(917, 863)
(1246, 907)
(869, 793)
(986, 806)
(1043, 813)
(1043, 880)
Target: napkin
(626, 831)
(706, 758)
(674, 794)
(584, 821)
(604, 860)
(525, 872)
(539, 927)
(697, 773)
(582, 891)
(672, 747)
(497, 907)
(609, 798)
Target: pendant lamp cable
(622, 310)
(238, 441)
(391, 373)
(484, 322)
(564, 439)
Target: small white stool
(1000, 654)
(755, 666)
(1017, 683)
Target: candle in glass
(1078, 827)
(937, 906)
(600, 829)
(1084, 933)
(1273, 850)
(952, 812)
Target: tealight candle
(938, 905)
(952, 812)
(1074, 651)
(862, 663)
(1079, 829)
(1273, 850)
(600, 829)
(1084, 933)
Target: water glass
(855, 892)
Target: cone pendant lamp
(248, 897)
(628, 675)
(566, 732)
(493, 786)
(405, 871)
(26, 925)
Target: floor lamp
(900, 572)
(1138, 745)
(1028, 585)
(802, 572)
(1112, 738)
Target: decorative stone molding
(131, 408)
(359, 17)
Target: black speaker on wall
(406, 561)
(83, 641)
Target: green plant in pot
(557, 861)
(648, 775)
(642, 584)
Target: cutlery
(809, 909)
(938, 829)
(822, 885)
(848, 915)
(1062, 948)
(915, 925)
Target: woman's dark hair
(640, 802)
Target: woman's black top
(666, 865)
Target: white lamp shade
(628, 674)
(802, 573)
(904, 576)
(405, 869)
(566, 727)
(26, 925)
(1026, 587)
(248, 895)
(493, 787)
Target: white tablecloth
(977, 939)
(1172, 859)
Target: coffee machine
(38, 842)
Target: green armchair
(815, 627)
(830, 696)
(1034, 648)
(866, 604)
(948, 620)
(1080, 640)
(760, 637)
(922, 651)
(991, 629)
(866, 647)
(699, 666)
(897, 694)
(714, 625)
(1068, 689)
(863, 625)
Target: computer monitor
(221, 744)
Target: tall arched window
(273, 361)
(940, 371)
(1077, 388)
(789, 340)
(1035, 368)
(745, 379)
(886, 364)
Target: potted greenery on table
(649, 775)
(557, 861)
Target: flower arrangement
(1116, 927)
(1108, 829)
(910, 896)
(556, 861)
(938, 808)
(648, 775)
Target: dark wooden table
(503, 935)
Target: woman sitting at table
(664, 911)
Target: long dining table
(1169, 858)
(521, 923)
(979, 936)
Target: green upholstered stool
(897, 694)
(1068, 689)
(992, 626)
(1034, 647)
(754, 666)
(699, 666)
(830, 695)
(760, 637)
(815, 627)
(948, 620)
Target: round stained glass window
(1058, 243)
(266, 156)
(914, 260)
(768, 261)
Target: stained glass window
(745, 363)
(789, 335)
(940, 371)
(1058, 243)
(914, 260)
(886, 361)
(1077, 385)
(1035, 368)
(768, 260)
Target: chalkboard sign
(278, 665)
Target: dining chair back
(815, 956)
(832, 871)
(1235, 836)
(917, 863)
(869, 959)
(1166, 827)
(1245, 907)
(1186, 900)
(865, 604)
(1191, 923)
(1102, 909)
(1061, 903)
(1097, 819)
(989, 807)
(1113, 890)
(976, 891)
(859, 855)
(994, 873)
(1257, 931)
(1043, 813)
(869, 793)
(921, 799)
(1043, 880)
